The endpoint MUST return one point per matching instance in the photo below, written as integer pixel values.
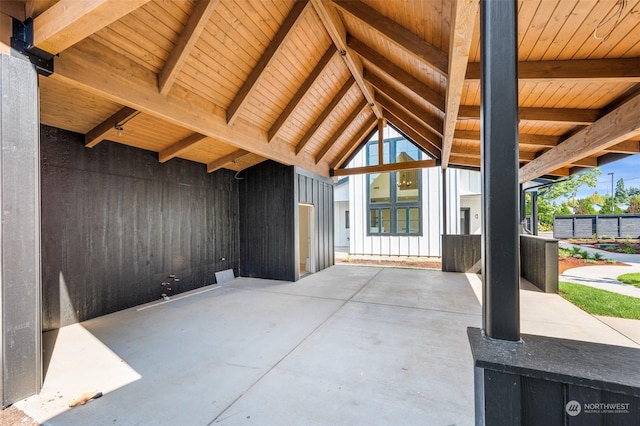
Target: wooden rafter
(190, 34)
(525, 139)
(69, 21)
(336, 30)
(304, 89)
(108, 126)
(343, 128)
(399, 35)
(179, 147)
(626, 147)
(257, 72)
(413, 121)
(87, 67)
(356, 142)
(392, 167)
(464, 13)
(585, 162)
(393, 71)
(620, 124)
(326, 112)
(474, 152)
(558, 115)
(229, 158)
(415, 137)
(433, 122)
(623, 70)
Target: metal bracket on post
(22, 43)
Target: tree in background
(634, 204)
(633, 191)
(621, 194)
(548, 198)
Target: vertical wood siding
(116, 223)
(267, 222)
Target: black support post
(500, 201)
(523, 213)
(20, 283)
(534, 212)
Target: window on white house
(393, 199)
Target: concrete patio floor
(348, 345)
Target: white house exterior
(400, 213)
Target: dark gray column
(534, 212)
(20, 286)
(523, 212)
(500, 201)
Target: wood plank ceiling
(230, 83)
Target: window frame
(395, 206)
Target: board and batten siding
(269, 197)
(429, 243)
(318, 191)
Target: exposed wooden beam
(558, 115)
(13, 8)
(392, 167)
(108, 126)
(357, 140)
(393, 71)
(257, 72)
(623, 70)
(398, 116)
(464, 161)
(343, 128)
(563, 171)
(179, 147)
(336, 30)
(434, 123)
(626, 147)
(525, 139)
(412, 121)
(326, 112)
(619, 125)
(463, 23)
(119, 79)
(586, 162)
(229, 158)
(304, 89)
(190, 34)
(399, 35)
(474, 152)
(70, 21)
(415, 137)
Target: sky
(628, 169)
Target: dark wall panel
(116, 223)
(319, 192)
(267, 222)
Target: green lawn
(633, 278)
(601, 302)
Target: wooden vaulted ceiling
(230, 83)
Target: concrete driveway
(347, 346)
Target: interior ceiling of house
(230, 83)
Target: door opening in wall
(306, 233)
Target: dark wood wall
(319, 192)
(116, 223)
(269, 196)
(267, 229)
